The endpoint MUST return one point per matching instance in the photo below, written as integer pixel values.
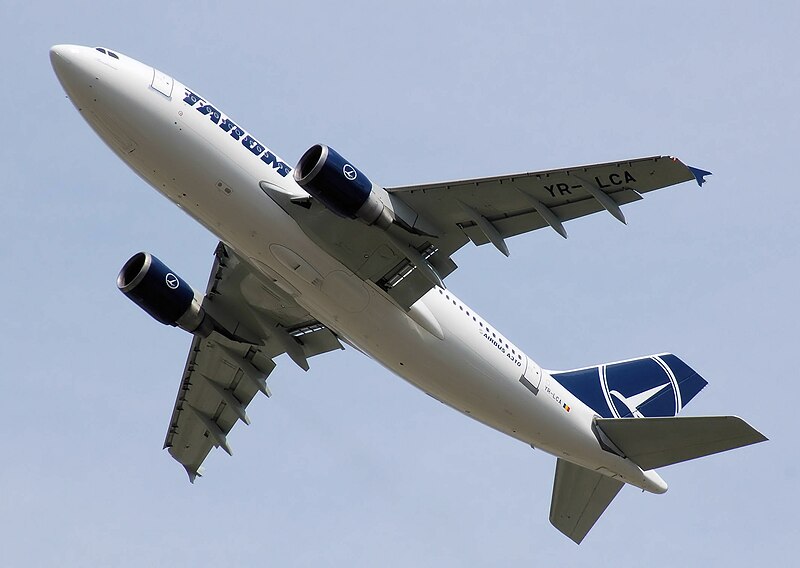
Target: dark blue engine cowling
(339, 185)
(159, 291)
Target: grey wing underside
(486, 209)
(223, 375)
(440, 218)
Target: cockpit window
(108, 52)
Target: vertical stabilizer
(658, 385)
(580, 496)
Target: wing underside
(223, 375)
(503, 206)
(410, 257)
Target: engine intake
(341, 187)
(163, 294)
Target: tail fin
(581, 495)
(657, 442)
(658, 385)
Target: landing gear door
(532, 376)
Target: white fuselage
(212, 170)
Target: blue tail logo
(659, 385)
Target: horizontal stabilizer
(580, 496)
(657, 442)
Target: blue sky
(347, 464)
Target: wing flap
(580, 496)
(657, 442)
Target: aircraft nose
(70, 62)
(61, 56)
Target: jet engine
(163, 294)
(342, 188)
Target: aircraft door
(532, 375)
(162, 83)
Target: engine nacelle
(163, 294)
(341, 187)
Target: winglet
(699, 175)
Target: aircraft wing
(491, 209)
(222, 375)
(437, 219)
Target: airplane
(317, 256)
